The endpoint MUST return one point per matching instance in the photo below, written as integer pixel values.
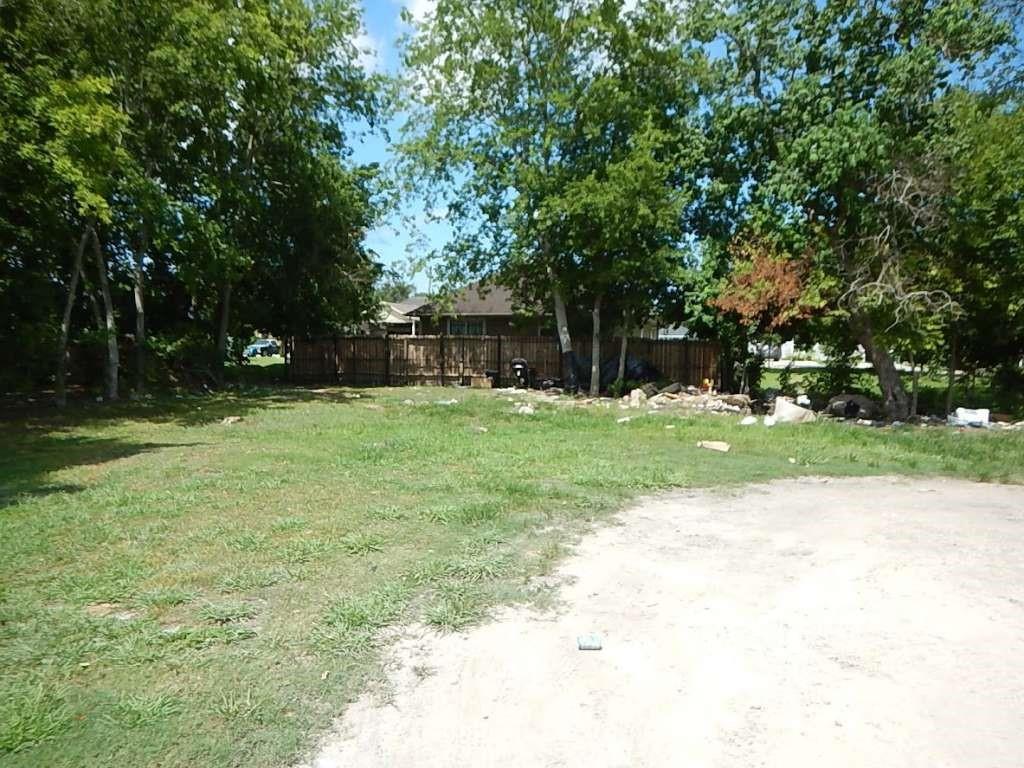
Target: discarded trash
(227, 421)
(791, 413)
(525, 410)
(970, 417)
(714, 445)
(480, 430)
(408, 402)
(792, 460)
(803, 400)
(670, 426)
(747, 421)
(453, 401)
(852, 406)
(623, 420)
(589, 642)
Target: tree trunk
(951, 375)
(138, 280)
(65, 325)
(110, 324)
(621, 376)
(914, 376)
(565, 341)
(894, 396)
(595, 348)
(222, 331)
(97, 316)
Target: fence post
(497, 376)
(337, 371)
(387, 359)
(441, 345)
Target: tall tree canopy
(557, 133)
(201, 147)
(831, 120)
(178, 174)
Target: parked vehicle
(262, 348)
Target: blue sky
(393, 241)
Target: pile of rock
(690, 398)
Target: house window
(464, 327)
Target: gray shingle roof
(476, 301)
(411, 304)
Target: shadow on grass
(185, 410)
(29, 456)
(37, 440)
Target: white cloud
(369, 48)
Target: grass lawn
(175, 591)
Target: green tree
(833, 109)
(632, 160)
(981, 142)
(558, 132)
(63, 148)
(393, 287)
(492, 103)
(201, 146)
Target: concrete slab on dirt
(868, 622)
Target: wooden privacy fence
(399, 360)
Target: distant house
(396, 317)
(679, 331)
(479, 311)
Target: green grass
(179, 592)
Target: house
(480, 311)
(395, 318)
(678, 331)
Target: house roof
(389, 315)
(405, 306)
(398, 312)
(474, 300)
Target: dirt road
(802, 623)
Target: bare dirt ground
(867, 622)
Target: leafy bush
(618, 388)
(837, 376)
(786, 386)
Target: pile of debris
(690, 398)
(851, 407)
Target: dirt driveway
(801, 623)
